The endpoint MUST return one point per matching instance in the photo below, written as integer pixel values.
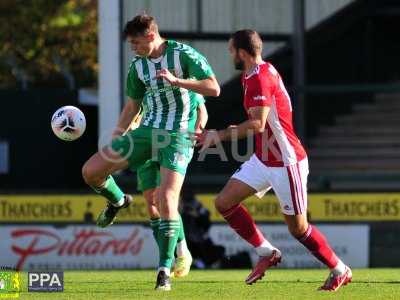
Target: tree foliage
(48, 43)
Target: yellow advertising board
(358, 207)
(354, 207)
(344, 207)
(63, 208)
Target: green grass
(278, 284)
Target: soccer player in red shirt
(279, 162)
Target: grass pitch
(223, 284)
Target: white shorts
(289, 183)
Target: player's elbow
(215, 91)
(212, 87)
(259, 130)
(258, 126)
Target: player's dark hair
(248, 40)
(140, 26)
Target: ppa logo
(45, 281)
(10, 283)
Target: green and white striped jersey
(166, 106)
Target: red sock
(240, 220)
(316, 242)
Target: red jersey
(278, 145)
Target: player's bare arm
(130, 112)
(202, 118)
(205, 87)
(256, 124)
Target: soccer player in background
(166, 77)
(148, 178)
(280, 162)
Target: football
(68, 123)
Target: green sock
(155, 226)
(167, 239)
(110, 190)
(181, 235)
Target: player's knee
(89, 175)
(297, 230)
(168, 196)
(86, 173)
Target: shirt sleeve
(135, 88)
(259, 92)
(195, 65)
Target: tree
(47, 43)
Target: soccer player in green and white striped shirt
(166, 78)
